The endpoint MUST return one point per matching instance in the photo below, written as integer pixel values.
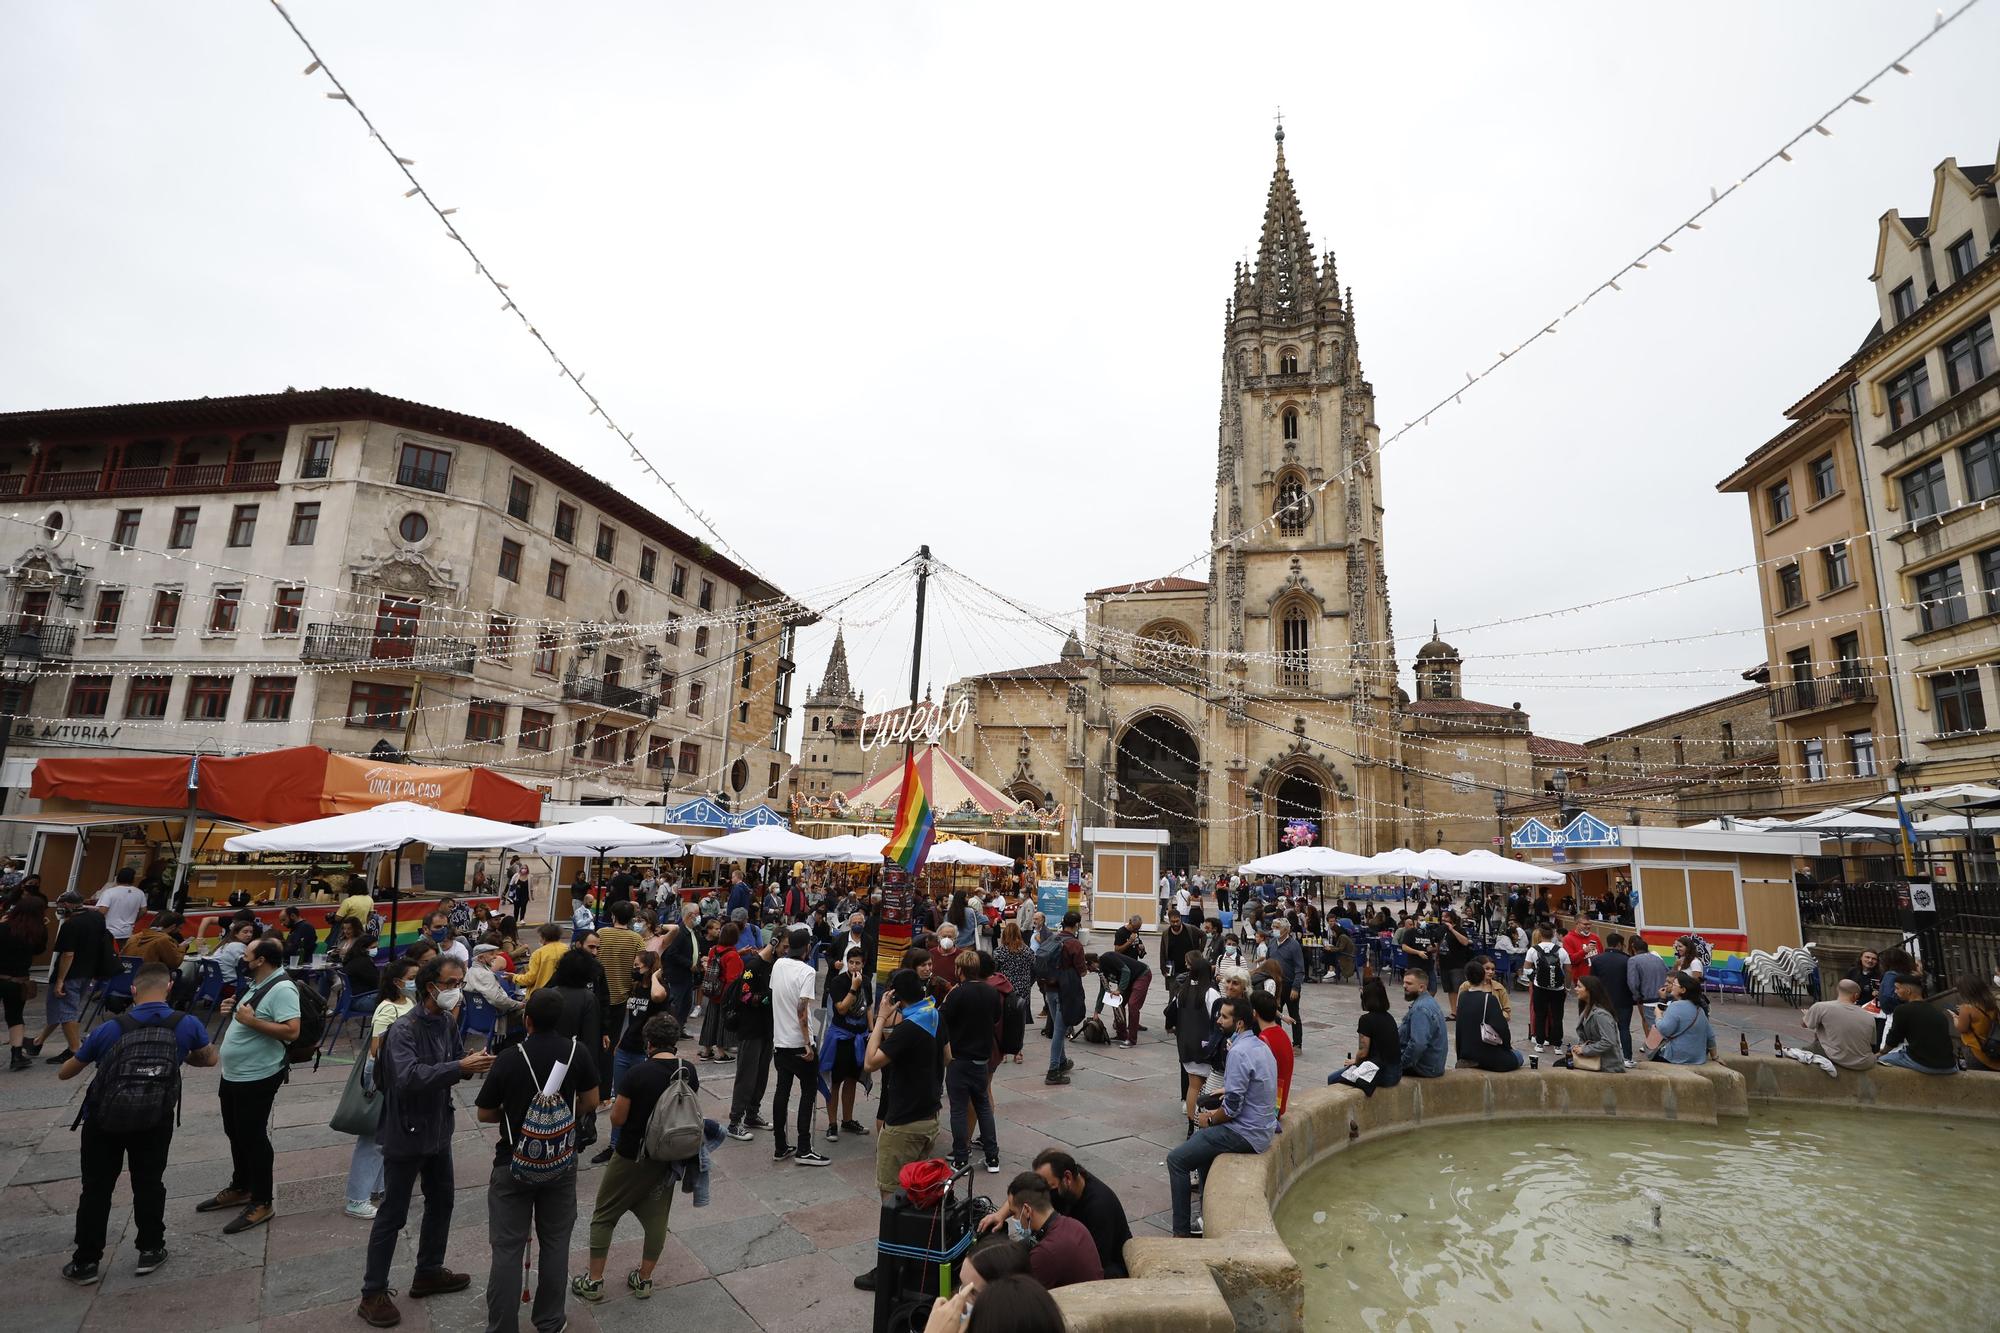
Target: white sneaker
(360, 1210)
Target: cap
(70, 898)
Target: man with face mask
(254, 1066)
(438, 931)
(422, 1059)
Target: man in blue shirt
(1246, 1121)
(106, 1151)
(1425, 1045)
(739, 893)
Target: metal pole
(187, 833)
(917, 651)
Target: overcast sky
(868, 276)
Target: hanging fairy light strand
(509, 303)
(1859, 96)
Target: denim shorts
(66, 1002)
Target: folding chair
(479, 1021)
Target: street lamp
(1257, 816)
(1500, 821)
(1564, 812)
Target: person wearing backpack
(128, 1117)
(533, 1185)
(422, 1059)
(749, 1012)
(1548, 983)
(255, 1064)
(655, 1107)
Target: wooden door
(396, 627)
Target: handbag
(1487, 1033)
(1594, 1063)
(359, 1110)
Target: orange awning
(285, 786)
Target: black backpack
(312, 1017)
(1551, 970)
(138, 1082)
(1047, 961)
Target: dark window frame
(1908, 393)
(304, 530)
(1941, 594)
(208, 698)
(1958, 706)
(1972, 349)
(1926, 483)
(426, 467)
(509, 567)
(270, 699)
(242, 526)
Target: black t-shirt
(1385, 1044)
(970, 1013)
(755, 1020)
(85, 935)
(1923, 1025)
(1456, 955)
(1104, 1217)
(638, 1005)
(1411, 938)
(838, 988)
(1124, 969)
(645, 1083)
(513, 1082)
(910, 1081)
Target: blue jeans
(1194, 1156)
(621, 1060)
(364, 1170)
(1056, 1033)
(1900, 1057)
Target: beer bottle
(1743, 1043)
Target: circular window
(621, 600)
(739, 775)
(414, 527)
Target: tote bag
(359, 1111)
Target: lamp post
(1257, 817)
(1499, 822)
(1564, 811)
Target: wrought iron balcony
(360, 646)
(609, 694)
(1800, 697)
(144, 480)
(40, 640)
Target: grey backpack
(674, 1130)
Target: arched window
(1291, 423)
(1288, 361)
(1294, 507)
(815, 724)
(1166, 648)
(1294, 647)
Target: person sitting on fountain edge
(1425, 1046)
(1245, 1122)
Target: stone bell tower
(1296, 578)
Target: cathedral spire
(836, 687)
(1285, 268)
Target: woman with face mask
(393, 998)
(848, 997)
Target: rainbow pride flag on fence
(916, 823)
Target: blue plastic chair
(108, 988)
(349, 1006)
(479, 1021)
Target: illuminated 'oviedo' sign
(925, 723)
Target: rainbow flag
(916, 823)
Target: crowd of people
(770, 993)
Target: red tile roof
(1152, 585)
(1455, 707)
(1046, 671)
(1544, 747)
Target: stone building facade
(344, 568)
(1926, 413)
(1222, 708)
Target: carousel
(968, 808)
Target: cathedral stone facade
(1221, 710)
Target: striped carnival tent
(953, 789)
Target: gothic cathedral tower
(1296, 578)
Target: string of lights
(1858, 97)
(509, 303)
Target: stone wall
(1241, 1275)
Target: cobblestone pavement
(774, 1250)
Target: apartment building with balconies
(1926, 411)
(1832, 722)
(344, 568)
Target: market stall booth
(169, 816)
(1733, 887)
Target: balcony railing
(621, 698)
(429, 479)
(361, 646)
(1816, 695)
(144, 480)
(40, 640)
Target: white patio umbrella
(854, 848)
(767, 842)
(1309, 861)
(1491, 868)
(1398, 861)
(599, 836)
(956, 852)
(389, 827)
